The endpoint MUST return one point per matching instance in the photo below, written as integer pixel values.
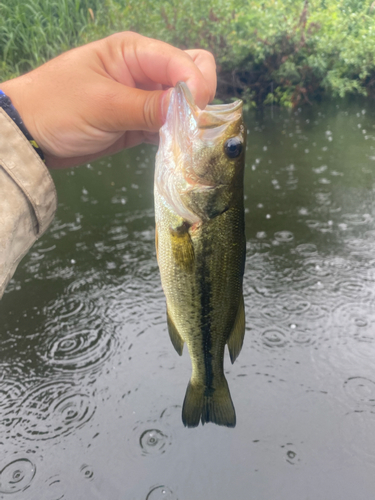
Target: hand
(105, 96)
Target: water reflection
(89, 385)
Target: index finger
(205, 61)
(151, 61)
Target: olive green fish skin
(201, 260)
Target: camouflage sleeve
(28, 198)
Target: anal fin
(237, 334)
(176, 339)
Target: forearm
(27, 198)
(86, 103)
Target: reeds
(34, 31)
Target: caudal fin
(208, 405)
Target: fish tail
(208, 405)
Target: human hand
(107, 95)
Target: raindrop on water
(153, 442)
(87, 471)
(261, 235)
(10, 393)
(284, 236)
(83, 349)
(53, 410)
(17, 476)
(291, 457)
(361, 390)
(274, 338)
(161, 493)
(306, 249)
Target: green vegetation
(281, 51)
(34, 31)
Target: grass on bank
(34, 31)
(281, 51)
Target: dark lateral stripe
(205, 321)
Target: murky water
(91, 387)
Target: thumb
(127, 108)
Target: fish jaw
(193, 175)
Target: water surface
(91, 388)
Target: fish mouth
(183, 91)
(187, 131)
(214, 115)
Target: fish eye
(233, 147)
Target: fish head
(200, 162)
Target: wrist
(8, 105)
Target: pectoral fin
(236, 336)
(182, 247)
(177, 340)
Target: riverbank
(268, 51)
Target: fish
(200, 245)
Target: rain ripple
(357, 219)
(87, 471)
(294, 304)
(11, 393)
(352, 288)
(270, 312)
(53, 410)
(274, 337)
(284, 237)
(17, 476)
(154, 437)
(306, 249)
(83, 349)
(55, 487)
(70, 305)
(361, 390)
(303, 336)
(360, 247)
(357, 320)
(161, 493)
(317, 267)
(152, 442)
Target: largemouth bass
(200, 244)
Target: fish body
(200, 242)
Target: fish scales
(201, 245)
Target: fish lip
(224, 108)
(182, 88)
(214, 109)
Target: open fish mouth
(186, 112)
(190, 137)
